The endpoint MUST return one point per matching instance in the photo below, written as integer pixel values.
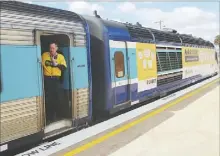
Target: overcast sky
(198, 18)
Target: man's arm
(43, 59)
(62, 65)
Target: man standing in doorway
(53, 65)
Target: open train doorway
(58, 100)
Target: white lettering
(44, 148)
(3, 147)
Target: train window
(119, 64)
(161, 48)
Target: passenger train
(111, 66)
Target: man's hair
(54, 43)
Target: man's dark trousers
(52, 88)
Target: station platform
(183, 126)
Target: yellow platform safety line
(133, 123)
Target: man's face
(53, 49)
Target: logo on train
(191, 55)
(147, 58)
(152, 81)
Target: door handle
(39, 60)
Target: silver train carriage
(26, 31)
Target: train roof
(41, 10)
(191, 40)
(116, 30)
(95, 26)
(143, 33)
(140, 33)
(110, 23)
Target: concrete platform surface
(191, 131)
(185, 123)
(189, 128)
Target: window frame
(123, 69)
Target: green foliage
(217, 40)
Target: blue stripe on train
(20, 72)
(79, 66)
(166, 88)
(132, 63)
(78, 56)
(119, 92)
(143, 96)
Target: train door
(61, 119)
(120, 73)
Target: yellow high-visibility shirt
(49, 70)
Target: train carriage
(111, 66)
(132, 64)
(199, 58)
(26, 31)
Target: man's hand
(54, 62)
(48, 63)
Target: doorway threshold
(57, 127)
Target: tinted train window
(119, 64)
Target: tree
(217, 40)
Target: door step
(58, 127)
(57, 132)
